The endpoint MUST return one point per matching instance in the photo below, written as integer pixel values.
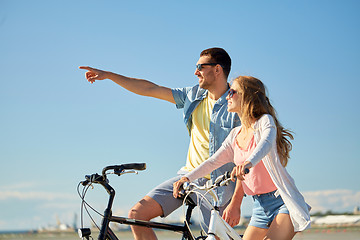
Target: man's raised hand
(94, 74)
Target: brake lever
(122, 172)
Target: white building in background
(337, 220)
(357, 210)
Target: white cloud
(20, 191)
(60, 205)
(338, 200)
(20, 186)
(34, 195)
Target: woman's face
(234, 98)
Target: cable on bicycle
(199, 202)
(220, 181)
(85, 205)
(186, 222)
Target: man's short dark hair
(220, 56)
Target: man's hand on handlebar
(177, 185)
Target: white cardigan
(265, 138)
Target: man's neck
(217, 91)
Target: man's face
(207, 73)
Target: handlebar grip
(228, 174)
(127, 166)
(135, 166)
(84, 183)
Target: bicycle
(217, 225)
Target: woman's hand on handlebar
(240, 171)
(177, 185)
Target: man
(208, 122)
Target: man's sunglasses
(231, 93)
(199, 66)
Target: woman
(262, 145)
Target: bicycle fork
(220, 228)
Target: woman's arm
(232, 212)
(218, 159)
(266, 130)
(223, 155)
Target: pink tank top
(258, 180)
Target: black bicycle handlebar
(129, 166)
(226, 177)
(221, 180)
(118, 170)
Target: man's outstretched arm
(137, 86)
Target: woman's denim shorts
(266, 207)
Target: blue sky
(55, 127)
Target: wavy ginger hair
(254, 104)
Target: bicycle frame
(107, 233)
(217, 226)
(220, 228)
(105, 230)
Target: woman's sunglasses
(231, 93)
